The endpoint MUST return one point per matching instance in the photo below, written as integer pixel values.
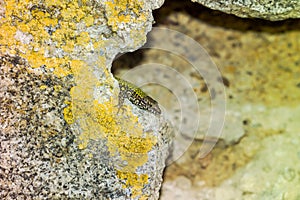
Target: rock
(267, 178)
(61, 133)
(269, 10)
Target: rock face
(61, 133)
(269, 10)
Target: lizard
(137, 97)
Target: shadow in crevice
(127, 61)
(206, 15)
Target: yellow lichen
(133, 144)
(135, 181)
(57, 88)
(125, 136)
(83, 39)
(69, 47)
(62, 70)
(35, 22)
(124, 12)
(97, 120)
(68, 115)
(43, 87)
(89, 20)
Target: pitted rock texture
(39, 158)
(269, 10)
(60, 134)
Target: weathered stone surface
(61, 133)
(270, 10)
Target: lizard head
(153, 106)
